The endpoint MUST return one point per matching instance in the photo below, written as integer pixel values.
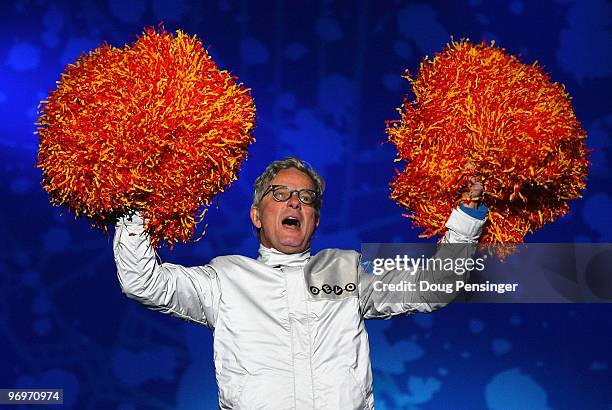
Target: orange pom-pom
(154, 126)
(477, 104)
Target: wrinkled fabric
(277, 343)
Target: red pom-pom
(154, 126)
(477, 104)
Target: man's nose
(294, 200)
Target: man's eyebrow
(292, 187)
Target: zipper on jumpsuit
(300, 337)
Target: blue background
(325, 76)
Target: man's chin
(290, 248)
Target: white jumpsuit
(281, 339)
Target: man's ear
(255, 217)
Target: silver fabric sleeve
(190, 293)
(459, 241)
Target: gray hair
(262, 182)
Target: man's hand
(473, 197)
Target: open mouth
(291, 222)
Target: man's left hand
(473, 197)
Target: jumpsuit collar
(277, 259)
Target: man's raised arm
(188, 293)
(377, 301)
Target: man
(288, 327)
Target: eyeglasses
(282, 193)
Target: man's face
(273, 218)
